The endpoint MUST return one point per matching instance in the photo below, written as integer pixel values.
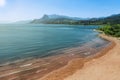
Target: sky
(15, 10)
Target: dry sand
(103, 66)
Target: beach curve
(69, 72)
(106, 67)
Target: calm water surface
(20, 41)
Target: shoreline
(106, 67)
(78, 64)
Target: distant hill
(58, 19)
(113, 19)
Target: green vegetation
(113, 30)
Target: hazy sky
(12, 10)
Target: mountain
(54, 16)
(58, 19)
(113, 19)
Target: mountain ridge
(60, 19)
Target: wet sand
(37, 68)
(42, 68)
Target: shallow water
(22, 41)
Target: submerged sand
(103, 66)
(36, 68)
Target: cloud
(2, 3)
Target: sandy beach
(105, 65)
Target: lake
(23, 41)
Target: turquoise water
(20, 41)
